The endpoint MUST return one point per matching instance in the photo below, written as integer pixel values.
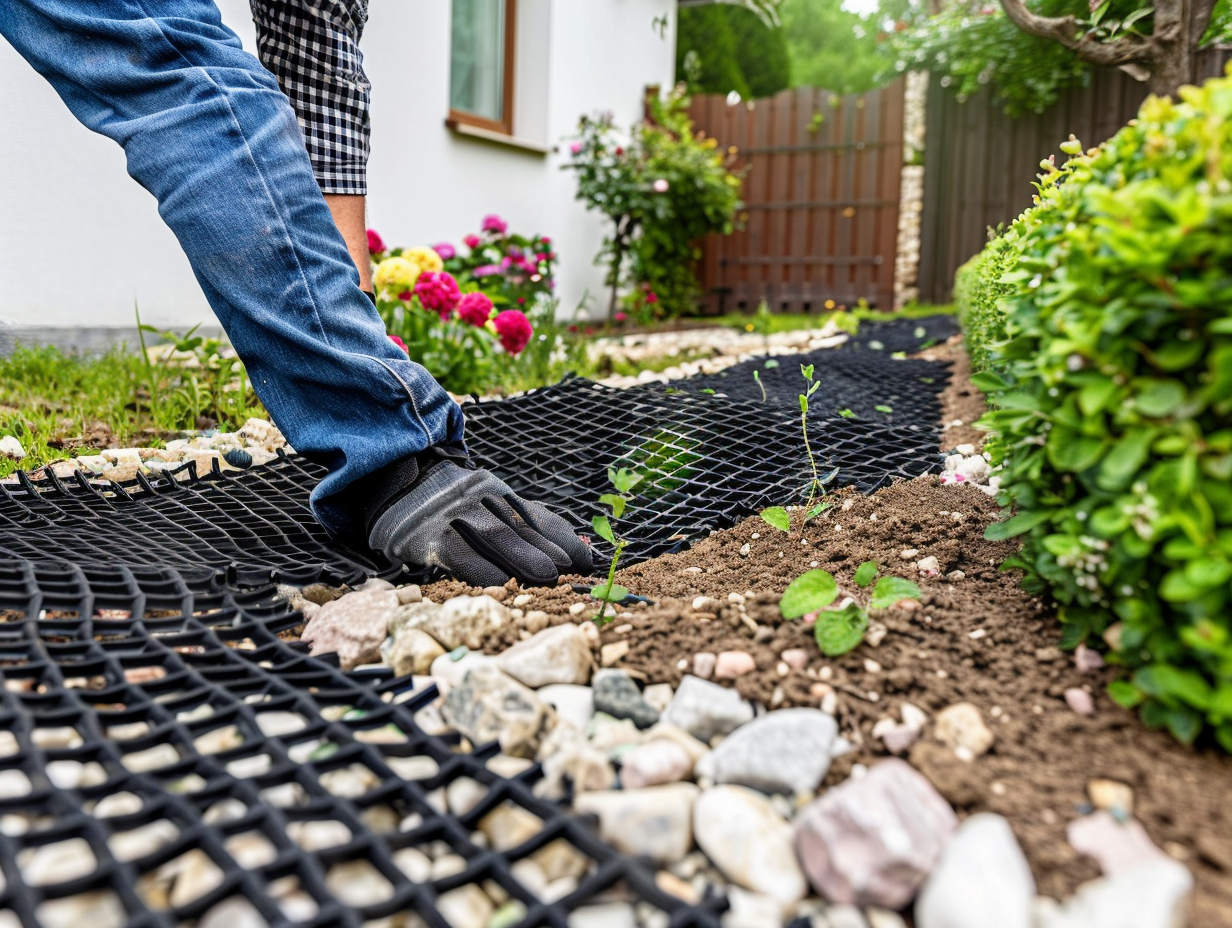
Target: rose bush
(448, 325)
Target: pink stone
(1115, 845)
(653, 763)
(354, 626)
(1080, 701)
(795, 658)
(873, 840)
(703, 664)
(732, 664)
(1087, 660)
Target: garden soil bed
(1044, 754)
(979, 639)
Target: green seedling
(776, 517)
(847, 413)
(885, 409)
(838, 631)
(757, 377)
(623, 481)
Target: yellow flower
(426, 258)
(397, 274)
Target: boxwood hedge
(1101, 324)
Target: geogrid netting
(153, 718)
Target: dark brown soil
(1044, 754)
(960, 402)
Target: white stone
(961, 727)
(448, 673)
(559, 654)
(1154, 895)
(490, 706)
(411, 651)
(465, 907)
(787, 751)
(751, 910)
(740, 831)
(236, 912)
(705, 709)
(982, 879)
(353, 626)
(10, 447)
(604, 915)
(59, 862)
(653, 763)
(463, 620)
(573, 704)
(656, 821)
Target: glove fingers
(556, 531)
(494, 541)
(461, 560)
(506, 513)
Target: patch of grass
(770, 323)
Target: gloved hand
(471, 524)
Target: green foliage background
(1102, 322)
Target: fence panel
(821, 199)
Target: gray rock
(560, 654)
(656, 821)
(705, 709)
(873, 840)
(743, 835)
(463, 620)
(490, 706)
(353, 626)
(617, 695)
(787, 751)
(982, 879)
(1154, 895)
(412, 651)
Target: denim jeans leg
(207, 131)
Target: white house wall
(79, 241)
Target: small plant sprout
(623, 480)
(776, 517)
(757, 377)
(817, 486)
(885, 409)
(838, 631)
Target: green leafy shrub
(1103, 320)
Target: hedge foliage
(1101, 322)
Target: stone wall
(911, 202)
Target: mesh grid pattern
(146, 666)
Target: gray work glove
(471, 524)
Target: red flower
(405, 295)
(475, 308)
(438, 292)
(513, 329)
(401, 344)
(652, 297)
(375, 243)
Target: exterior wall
(79, 241)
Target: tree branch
(1130, 48)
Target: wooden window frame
(503, 126)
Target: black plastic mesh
(103, 665)
(144, 618)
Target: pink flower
(484, 270)
(405, 295)
(652, 297)
(438, 292)
(375, 243)
(472, 241)
(575, 148)
(621, 317)
(475, 308)
(399, 342)
(543, 256)
(446, 251)
(661, 185)
(545, 240)
(494, 223)
(513, 329)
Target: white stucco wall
(79, 241)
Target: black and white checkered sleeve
(312, 48)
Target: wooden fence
(979, 164)
(821, 199)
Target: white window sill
(499, 138)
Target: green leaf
(865, 573)
(846, 413)
(776, 517)
(839, 631)
(818, 510)
(809, 592)
(806, 371)
(1184, 723)
(989, 382)
(1164, 680)
(1124, 693)
(603, 528)
(890, 590)
(1160, 398)
(1126, 458)
(769, 365)
(886, 409)
(617, 503)
(1016, 525)
(803, 403)
(609, 593)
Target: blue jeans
(207, 131)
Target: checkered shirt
(312, 48)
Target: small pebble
(745, 549)
(795, 658)
(703, 664)
(578, 608)
(908, 554)
(609, 654)
(1080, 701)
(732, 664)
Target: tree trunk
(1170, 71)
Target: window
(481, 64)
